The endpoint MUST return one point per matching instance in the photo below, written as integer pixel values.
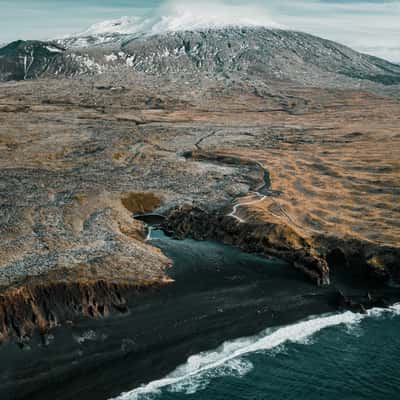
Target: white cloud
(183, 14)
(367, 25)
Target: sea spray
(201, 368)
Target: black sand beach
(220, 293)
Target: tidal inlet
(199, 200)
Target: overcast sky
(371, 26)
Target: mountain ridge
(247, 52)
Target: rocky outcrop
(322, 259)
(23, 60)
(40, 305)
(266, 238)
(361, 262)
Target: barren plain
(306, 174)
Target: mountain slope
(246, 52)
(27, 59)
(275, 53)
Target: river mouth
(219, 293)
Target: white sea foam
(86, 336)
(379, 312)
(235, 368)
(228, 359)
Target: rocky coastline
(38, 307)
(290, 166)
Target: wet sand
(220, 293)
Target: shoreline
(221, 294)
(285, 172)
(206, 362)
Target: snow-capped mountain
(174, 17)
(255, 51)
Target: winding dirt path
(236, 207)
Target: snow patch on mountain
(173, 17)
(54, 49)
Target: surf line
(268, 339)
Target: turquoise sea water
(343, 355)
(354, 361)
(220, 293)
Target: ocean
(232, 326)
(219, 292)
(341, 355)
(346, 356)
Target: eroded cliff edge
(320, 254)
(80, 158)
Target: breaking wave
(228, 359)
